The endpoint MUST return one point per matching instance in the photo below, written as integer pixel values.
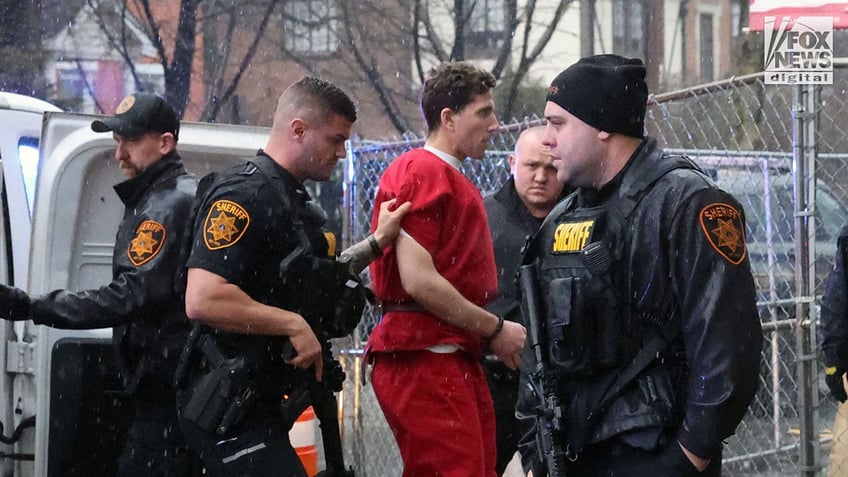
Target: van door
(20, 130)
(79, 419)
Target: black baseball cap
(140, 113)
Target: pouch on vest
(583, 314)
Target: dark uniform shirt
(142, 296)
(243, 232)
(683, 256)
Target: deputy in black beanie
(649, 333)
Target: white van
(57, 229)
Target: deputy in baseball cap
(140, 113)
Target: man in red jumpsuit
(433, 282)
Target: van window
(28, 155)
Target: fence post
(804, 154)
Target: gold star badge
(225, 224)
(223, 227)
(723, 227)
(148, 241)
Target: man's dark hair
(453, 85)
(325, 95)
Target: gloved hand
(833, 378)
(14, 303)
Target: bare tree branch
(372, 73)
(506, 47)
(120, 45)
(527, 60)
(245, 62)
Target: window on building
(705, 46)
(486, 27)
(736, 19)
(628, 28)
(71, 91)
(310, 26)
(152, 78)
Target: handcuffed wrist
(498, 328)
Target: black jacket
(676, 256)
(510, 223)
(834, 309)
(142, 298)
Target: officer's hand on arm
(388, 226)
(14, 304)
(699, 463)
(833, 379)
(388, 222)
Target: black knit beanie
(607, 92)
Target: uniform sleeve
(146, 266)
(834, 309)
(720, 324)
(230, 227)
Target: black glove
(833, 378)
(14, 303)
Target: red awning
(760, 9)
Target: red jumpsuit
(437, 403)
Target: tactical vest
(580, 254)
(318, 286)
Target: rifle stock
(550, 445)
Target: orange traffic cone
(302, 436)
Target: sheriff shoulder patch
(148, 241)
(225, 224)
(722, 224)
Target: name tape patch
(572, 236)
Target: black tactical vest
(579, 252)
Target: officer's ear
(167, 143)
(297, 128)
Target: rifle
(336, 322)
(550, 441)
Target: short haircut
(325, 97)
(452, 85)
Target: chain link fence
(741, 130)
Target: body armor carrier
(589, 327)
